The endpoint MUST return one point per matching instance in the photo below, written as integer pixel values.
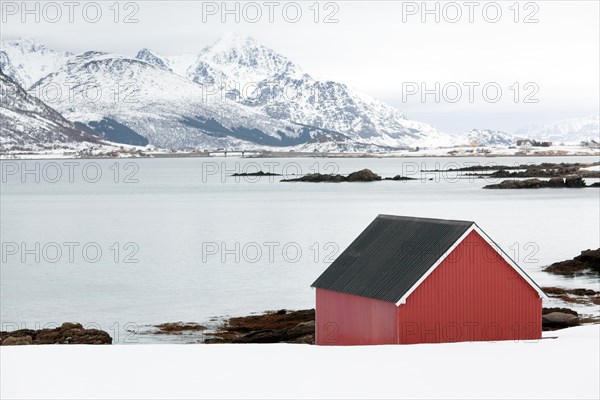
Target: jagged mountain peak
(152, 58)
(240, 58)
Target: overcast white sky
(373, 49)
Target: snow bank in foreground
(567, 367)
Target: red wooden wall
(473, 295)
(345, 319)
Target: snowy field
(563, 368)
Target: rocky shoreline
(587, 263)
(284, 326)
(543, 170)
(281, 326)
(67, 333)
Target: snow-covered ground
(563, 368)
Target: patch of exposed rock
(67, 333)
(364, 175)
(587, 263)
(575, 181)
(272, 327)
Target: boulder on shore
(559, 320)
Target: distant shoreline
(290, 155)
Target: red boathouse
(411, 280)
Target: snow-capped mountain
(259, 77)
(26, 60)
(234, 93)
(485, 137)
(140, 101)
(569, 131)
(29, 124)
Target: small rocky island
(534, 183)
(364, 175)
(257, 173)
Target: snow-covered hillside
(569, 131)
(26, 60)
(29, 124)
(485, 137)
(234, 93)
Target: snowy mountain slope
(259, 77)
(485, 137)
(29, 124)
(165, 108)
(570, 131)
(235, 92)
(26, 60)
(178, 64)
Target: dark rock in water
(595, 184)
(556, 182)
(258, 173)
(67, 333)
(501, 173)
(365, 175)
(574, 181)
(517, 184)
(176, 328)
(558, 320)
(400, 178)
(588, 262)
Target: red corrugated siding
(345, 319)
(473, 295)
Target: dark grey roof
(390, 256)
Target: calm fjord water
(157, 240)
